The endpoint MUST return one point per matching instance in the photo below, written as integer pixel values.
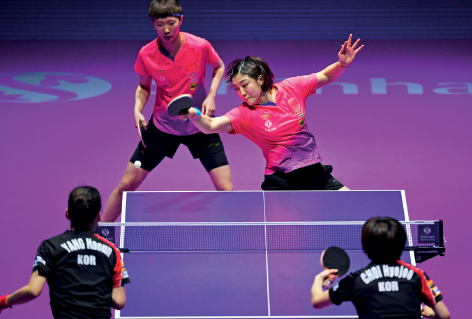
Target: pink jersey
(280, 130)
(184, 74)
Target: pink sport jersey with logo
(185, 74)
(281, 130)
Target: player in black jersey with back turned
(388, 287)
(84, 271)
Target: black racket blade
(180, 105)
(336, 258)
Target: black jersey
(81, 269)
(387, 291)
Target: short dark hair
(164, 8)
(84, 204)
(383, 239)
(252, 66)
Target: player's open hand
(139, 117)
(208, 106)
(348, 51)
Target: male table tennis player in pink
(273, 117)
(176, 61)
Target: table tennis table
(243, 283)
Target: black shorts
(206, 147)
(313, 177)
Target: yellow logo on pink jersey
(292, 102)
(192, 67)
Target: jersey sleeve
(305, 84)
(124, 274)
(44, 257)
(430, 294)
(139, 66)
(120, 275)
(344, 291)
(210, 54)
(238, 120)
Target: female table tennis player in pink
(176, 61)
(273, 117)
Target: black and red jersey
(387, 291)
(82, 269)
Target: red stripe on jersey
(426, 293)
(117, 268)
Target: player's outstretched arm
(142, 95)
(346, 55)
(27, 293)
(118, 298)
(320, 298)
(206, 124)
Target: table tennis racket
(180, 105)
(140, 128)
(335, 258)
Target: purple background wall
(417, 140)
(239, 20)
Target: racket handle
(326, 283)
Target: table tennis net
(255, 236)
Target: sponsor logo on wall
(380, 86)
(43, 87)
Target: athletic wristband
(339, 62)
(196, 117)
(3, 303)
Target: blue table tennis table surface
(241, 284)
